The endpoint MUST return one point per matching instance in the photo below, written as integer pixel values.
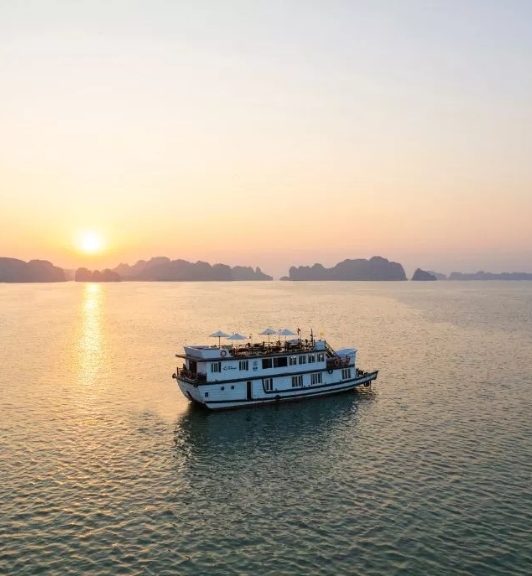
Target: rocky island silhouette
(376, 269)
(423, 276)
(163, 269)
(490, 276)
(107, 275)
(166, 270)
(14, 270)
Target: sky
(268, 133)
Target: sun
(90, 242)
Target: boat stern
(189, 389)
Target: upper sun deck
(229, 352)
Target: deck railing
(271, 348)
(198, 377)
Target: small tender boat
(229, 376)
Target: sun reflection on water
(90, 342)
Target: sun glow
(90, 242)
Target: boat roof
(264, 349)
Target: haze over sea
(106, 469)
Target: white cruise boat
(228, 376)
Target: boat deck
(260, 349)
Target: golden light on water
(90, 343)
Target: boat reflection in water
(254, 485)
(203, 433)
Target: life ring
(337, 362)
(330, 371)
(223, 353)
(347, 359)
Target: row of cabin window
(276, 362)
(316, 378)
(297, 381)
(283, 361)
(217, 366)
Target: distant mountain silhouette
(128, 272)
(423, 276)
(247, 273)
(376, 268)
(490, 276)
(164, 269)
(85, 275)
(438, 275)
(13, 270)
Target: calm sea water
(105, 468)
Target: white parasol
(286, 333)
(219, 335)
(237, 336)
(268, 332)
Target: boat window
(297, 381)
(292, 360)
(346, 373)
(266, 363)
(315, 378)
(268, 384)
(280, 362)
(311, 358)
(302, 359)
(243, 365)
(216, 366)
(321, 357)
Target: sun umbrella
(286, 333)
(219, 335)
(268, 332)
(237, 336)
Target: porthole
(206, 394)
(232, 387)
(223, 387)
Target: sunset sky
(268, 133)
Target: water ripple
(106, 469)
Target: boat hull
(215, 397)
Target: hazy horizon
(278, 271)
(267, 134)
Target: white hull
(227, 395)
